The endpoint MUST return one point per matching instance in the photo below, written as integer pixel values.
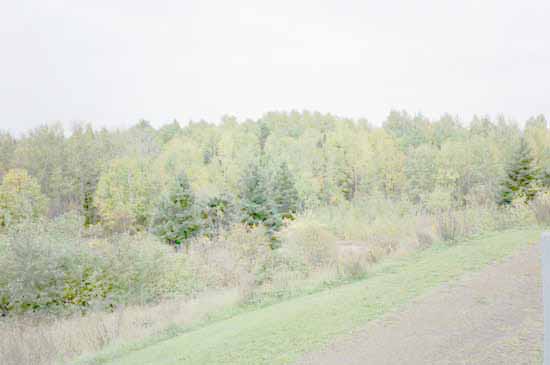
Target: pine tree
(285, 195)
(520, 177)
(176, 219)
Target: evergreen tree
(285, 195)
(256, 205)
(255, 202)
(520, 177)
(176, 218)
(218, 214)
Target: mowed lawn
(280, 333)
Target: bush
(424, 239)
(311, 242)
(52, 266)
(516, 214)
(48, 266)
(448, 225)
(230, 261)
(541, 207)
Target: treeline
(201, 178)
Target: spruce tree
(520, 177)
(176, 219)
(285, 195)
(218, 214)
(256, 206)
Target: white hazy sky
(117, 61)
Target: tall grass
(67, 292)
(541, 208)
(39, 339)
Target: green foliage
(141, 141)
(335, 182)
(20, 198)
(88, 154)
(257, 206)
(218, 215)
(42, 153)
(125, 195)
(331, 159)
(169, 131)
(482, 126)
(255, 202)
(285, 195)
(281, 334)
(446, 128)
(520, 178)
(53, 266)
(7, 149)
(421, 172)
(46, 266)
(176, 218)
(408, 130)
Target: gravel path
(490, 317)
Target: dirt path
(490, 317)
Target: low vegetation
(114, 236)
(94, 292)
(280, 333)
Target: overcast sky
(115, 62)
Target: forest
(95, 220)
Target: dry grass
(40, 341)
(541, 208)
(239, 267)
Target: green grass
(280, 333)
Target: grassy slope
(278, 334)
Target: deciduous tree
(20, 198)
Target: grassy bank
(278, 334)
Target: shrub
(424, 239)
(47, 266)
(232, 260)
(516, 214)
(51, 266)
(448, 226)
(541, 207)
(312, 242)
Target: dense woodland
(256, 170)
(116, 235)
(298, 182)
